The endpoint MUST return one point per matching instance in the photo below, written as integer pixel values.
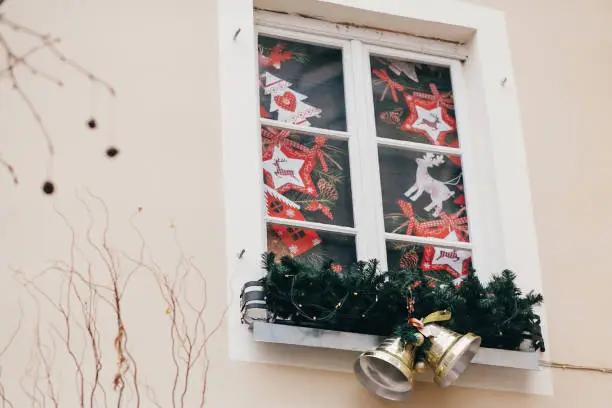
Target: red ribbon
(416, 323)
(391, 84)
(277, 55)
(276, 137)
(450, 222)
(317, 152)
(442, 99)
(316, 206)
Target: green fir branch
(363, 299)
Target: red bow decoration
(435, 228)
(391, 84)
(442, 99)
(447, 223)
(411, 224)
(276, 137)
(416, 323)
(277, 55)
(316, 152)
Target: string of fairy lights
(328, 314)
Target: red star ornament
(286, 169)
(454, 261)
(429, 118)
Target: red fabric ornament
(443, 99)
(263, 112)
(287, 169)
(297, 240)
(391, 84)
(454, 261)
(277, 137)
(451, 227)
(336, 268)
(287, 101)
(317, 206)
(428, 118)
(438, 228)
(276, 57)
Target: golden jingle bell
(387, 370)
(450, 353)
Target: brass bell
(387, 370)
(450, 353)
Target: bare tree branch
(15, 61)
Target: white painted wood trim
(338, 229)
(429, 241)
(307, 130)
(369, 36)
(419, 147)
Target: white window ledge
(312, 337)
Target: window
(361, 154)
(475, 49)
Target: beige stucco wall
(161, 59)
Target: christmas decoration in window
(437, 262)
(413, 102)
(427, 321)
(423, 194)
(306, 177)
(312, 247)
(301, 84)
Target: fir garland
(361, 299)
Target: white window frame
(505, 215)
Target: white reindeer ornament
(437, 190)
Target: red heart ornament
(286, 101)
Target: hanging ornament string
(454, 181)
(112, 149)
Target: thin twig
(10, 169)
(50, 45)
(11, 57)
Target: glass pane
(423, 194)
(438, 263)
(312, 247)
(306, 177)
(413, 102)
(301, 84)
